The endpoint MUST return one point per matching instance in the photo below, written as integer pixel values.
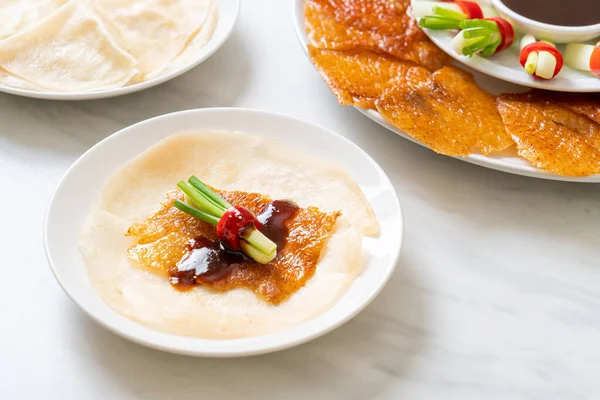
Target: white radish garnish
(546, 63)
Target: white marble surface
(497, 294)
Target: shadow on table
(362, 357)
(215, 83)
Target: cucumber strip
(442, 11)
(577, 56)
(527, 40)
(422, 9)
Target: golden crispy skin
(361, 77)
(449, 113)
(550, 134)
(377, 25)
(587, 104)
(163, 236)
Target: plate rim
(208, 50)
(477, 159)
(175, 344)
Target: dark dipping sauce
(558, 12)
(209, 261)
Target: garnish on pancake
(269, 247)
(557, 135)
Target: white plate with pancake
(506, 161)
(197, 43)
(379, 254)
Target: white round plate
(228, 13)
(505, 65)
(70, 205)
(506, 161)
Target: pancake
(17, 15)
(8, 79)
(68, 51)
(200, 39)
(154, 32)
(377, 25)
(230, 162)
(449, 113)
(361, 77)
(550, 134)
(88, 45)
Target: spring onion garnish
(435, 15)
(584, 57)
(540, 59)
(478, 35)
(484, 36)
(237, 227)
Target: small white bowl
(228, 13)
(554, 33)
(70, 205)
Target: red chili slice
(232, 222)
(472, 9)
(506, 31)
(595, 60)
(542, 46)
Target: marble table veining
(496, 295)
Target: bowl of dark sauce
(560, 21)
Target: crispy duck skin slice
(445, 110)
(587, 104)
(379, 25)
(449, 113)
(554, 132)
(359, 78)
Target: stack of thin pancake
(87, 45)
(372, 54)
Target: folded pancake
(155, 32)
(68, 51)
(200, 39)
(449, 113)
(8, 79)
(361, 77)
(550, 134)
(377, 25)
(17, 15)
(232, 163)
